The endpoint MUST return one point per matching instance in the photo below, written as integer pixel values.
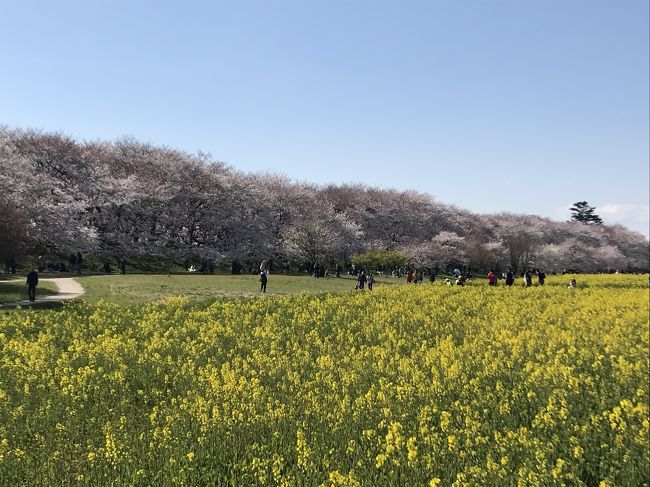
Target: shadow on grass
(40, 306)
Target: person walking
(409, 276)
(432, 277)
(528, 279)
(263, 281)
(370, 279)
(122, 266)
(492, 278)
(32, 282)
(541, 277)
(361, 280)
(510, 278)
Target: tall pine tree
(584, 213)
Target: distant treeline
(128, 198)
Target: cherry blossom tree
(131, 198)
(312, 239)
(445, 250)
(520, 236)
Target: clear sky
(501, 105)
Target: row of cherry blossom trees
(130, 198)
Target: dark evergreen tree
(584, 213)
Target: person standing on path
(263, 281)
(32, 282)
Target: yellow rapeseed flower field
(406, 385)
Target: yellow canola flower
(411, 445)
(406, 385)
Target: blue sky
(501, 105)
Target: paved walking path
(68, 289)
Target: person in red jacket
(492, 278)
(409, 276)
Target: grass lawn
(143, 288)
(11, 291)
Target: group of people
(508, 276)
(364, 278)
(460, 280)
(415, 277)
(459, 277)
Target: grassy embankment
(146, 288)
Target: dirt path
(68, 289)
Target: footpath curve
(68, 289)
